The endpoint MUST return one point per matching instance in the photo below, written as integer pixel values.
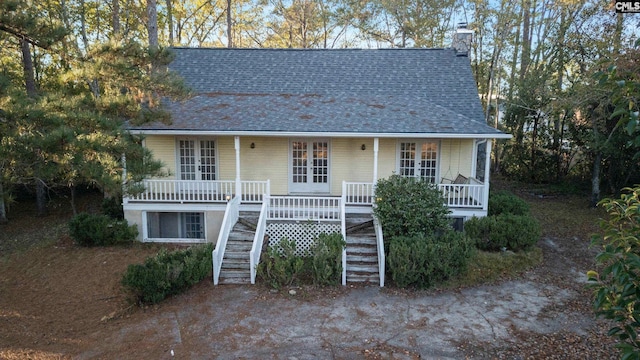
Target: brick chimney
(462, 40)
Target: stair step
(235, 280)
(239, 245)
(363, 278)
(235, 273)
(365, 269)
(243, 261)
(362, 249)
(361, 261)
(362, 239)
(236, 255)
(234, 236)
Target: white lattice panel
(303, 233)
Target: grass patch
(486, 267)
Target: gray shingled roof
(427, 91)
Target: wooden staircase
(362, 252)
(235, 264)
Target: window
(176, 225)
(418, 159)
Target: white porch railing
(256, 249)
(304, 208)
(380, 244)
(230, 219)
(456, 195)
(200, 191)
(463, 195)
(357, 193)
(254, 191)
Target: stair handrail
(343, 226)
(231, 215)
(261, 228)
(380, 244)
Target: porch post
(376, 146)
(236, 141)
(487, 172)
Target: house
(303, 135)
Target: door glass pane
(320, 163)
(407, 159)
(429, 155)
(187, 155)
(207, 160)
(299, 161)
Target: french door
(419, 159)
(197, 159)
(309, 166)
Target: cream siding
(269, 159)
(387, 158)
(349, 162)
(226, 158)
(163, 149)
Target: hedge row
(168, 273)
(100, 230)
(423, 261)
(508, 226)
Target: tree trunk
(41, 198)
(152, 25)
(595, 180)
(558, 125)
(83, 26)
(72, 190)
(229, 24)
(27, 67)
(115, 16)
(526, 43)
(30, 84)
(3, 209)
(170, 21)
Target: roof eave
(321, 134)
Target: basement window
(176, 225)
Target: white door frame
(313, 178)
(199, 172)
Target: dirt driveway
(59, 301)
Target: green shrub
(505, 202)
(327, 259)
(112, 207)
(409, 206)
(168, 273)
(617, 285)
(505, 231)
(280, 266)
(100, 230)
(423, 261)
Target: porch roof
(418, 92)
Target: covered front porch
(464, 200)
